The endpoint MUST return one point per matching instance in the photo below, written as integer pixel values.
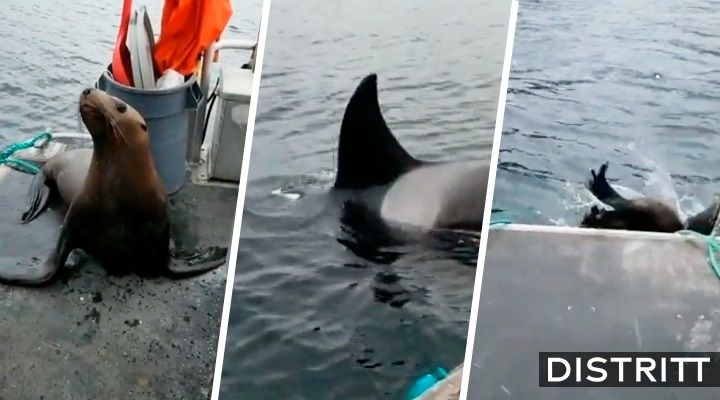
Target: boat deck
(111, 337)
(569, 289)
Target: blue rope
(6, 156)
(425, 382)
(713, 247)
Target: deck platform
(93, 336)
(553, 289)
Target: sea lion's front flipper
(704, 221)
(185, 264)
(600, 188)
(37, 198)
(39, 273)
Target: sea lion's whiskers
(81, 125)
(117, 132)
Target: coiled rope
(713, 247)
(6, 156)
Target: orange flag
(188, 28)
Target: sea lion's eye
(144, 127)
(121, 107)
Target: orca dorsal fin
(368, 153)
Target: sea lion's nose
(86, 92)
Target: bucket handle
(101, 83)
(194, 96)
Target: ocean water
(321, 309)
(617, 81)
(51, 50)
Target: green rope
(498, 220)
(713, 246)
(6, 156)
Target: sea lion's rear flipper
(39, 273)
(368, 153)
(704, 221)
(600, 188)
(184, 264)
(37, 198)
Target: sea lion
(403, 190)
(118, 206)
(641, 214)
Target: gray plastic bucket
(168, 114)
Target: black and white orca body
(403, 190)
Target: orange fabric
(188, 28)
(121, 63)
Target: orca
(402, 190)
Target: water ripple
(609, 81)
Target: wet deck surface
(94, 336)
(589, 292)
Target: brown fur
(644, 215)
(119, 214)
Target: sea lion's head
(604, 219)
(111, 120)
